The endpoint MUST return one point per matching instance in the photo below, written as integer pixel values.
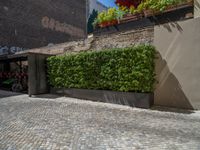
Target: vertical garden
(127, 70)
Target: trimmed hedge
(127, 69)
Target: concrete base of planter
(140, 100)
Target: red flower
(128, 3)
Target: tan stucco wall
(178, 66)
(196, 8)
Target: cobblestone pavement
(71, 124)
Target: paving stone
(45, 123)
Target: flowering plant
(128, 3)
(113, 15)
(109, 17)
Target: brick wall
(115, 40)
(123, 39)
(36, 23)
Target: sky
(108, 3)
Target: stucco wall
(178, 66)
(196, 8)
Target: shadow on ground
(4, 94)
(47, 96)
(175, 110)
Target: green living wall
(126, 69)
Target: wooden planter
(145, 19)
(148, 13)
(131, 17)
(140, 100)
(108, 23)
(145, 13)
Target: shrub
(127, 69)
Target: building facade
(37, 23)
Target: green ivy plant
(160, 5)
(126, 69)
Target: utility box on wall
(37, 23)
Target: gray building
(95, 5)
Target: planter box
(140, 100)
(130, 17)
(137, 22)
(149, 18)
(123, 27)
(108, 23)
(148, 13)
(173, 16)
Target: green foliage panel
(127, 69)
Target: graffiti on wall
(55, 25)
(10, 50)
